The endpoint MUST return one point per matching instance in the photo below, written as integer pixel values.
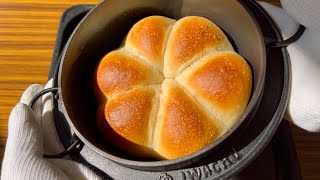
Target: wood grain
(27, 35)
(28, 31)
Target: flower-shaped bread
(172, 87)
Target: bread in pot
(172, 88)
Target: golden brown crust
(221, 81)
(120, 141)
(190, 38)
(147, 116)
(128, 114)
(148, 37)
(183, 126)
(119, 71)
(100, 97)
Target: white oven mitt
(304, 103)
(31, 133)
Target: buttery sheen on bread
(172, 88)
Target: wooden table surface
(28, 30)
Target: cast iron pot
(103, 29)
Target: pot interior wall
(104, 29)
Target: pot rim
(185, 160)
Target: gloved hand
(304, 103)
(31, 133)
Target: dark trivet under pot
(274, 160)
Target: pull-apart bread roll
(172, 88)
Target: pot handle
(285, 43)
(76, 144)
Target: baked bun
(172, 88)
